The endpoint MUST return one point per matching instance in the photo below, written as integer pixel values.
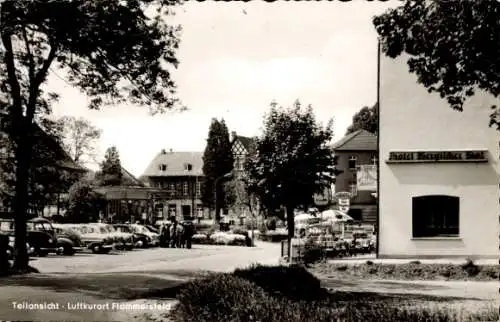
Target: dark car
(40, 234)
(69, 241)
(140, 239)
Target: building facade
(180, 176)
(439, 170)
(353, 151)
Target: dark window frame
(435, 216)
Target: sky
(235, 59)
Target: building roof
(360, 140)
(175, 163)
(128, 179)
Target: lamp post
(224, 176)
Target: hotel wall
(413, 119)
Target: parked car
(40, 235)
(154, 238)
(93, 238)
(69, 241)
(361, 243)
(123, 240)
(140, 239)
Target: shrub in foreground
(226, 297)
(293, 282)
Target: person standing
(188, 232)
(173, 234)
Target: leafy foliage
(111, 169)
(293, 159)
(84, 203)
(79, 137)
(365, 119)
(112, 50)
(217, 161)
(454, 46)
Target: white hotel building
(439, 171)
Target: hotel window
(171, 189)
(374, 160)
(162, 167)
(353, 188)
(239, 163)
(188, 167)
(352, 162)
(198, 188)
(172, 210)
(435, 216)
(185, 188)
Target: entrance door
(186, 211)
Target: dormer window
(188, 167)
(162, 167)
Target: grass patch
(411, 271)
(264, 293)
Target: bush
(265, 293)
(470, 268)
(221, 297)
(224, 238)
(313, 252)
(293, 282)
(271, 223)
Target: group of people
(176, 234)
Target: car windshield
(123, 229)
(103, 230)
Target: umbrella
(303, 217)
(335, 216)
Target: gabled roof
(128, 179)
(360, 140)
(244, 140)
(175, 164)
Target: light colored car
(153, 236)
(123, 240)
(94, 238)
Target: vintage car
(40, 234)
(361, 242)
(69, 241)
(140, 239)
(94, 238)
(122, 240)
(153, 238)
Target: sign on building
(367, 178)
(322, 199)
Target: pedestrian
(188, 231)
(173, 234)
(167, 235)
(180, 236)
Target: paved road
(200, 257)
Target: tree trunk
(290, 222)
(217, 203)
(21, 200)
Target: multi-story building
(180, 175)
(353, 151)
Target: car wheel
(140, 243)
(68, 250)
(96, 249)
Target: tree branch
(30, 56)
(15, 88)
(37, 81)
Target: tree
(293, 160)
(111, 169)
(109, 49)
(217, 161)
(84, 203)
(454, 46)
(80, 137)
(365, 119)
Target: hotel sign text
(437, 156)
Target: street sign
(344, 202)
(344, 209)
(322, 199)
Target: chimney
(171, 150)
(233, 135)
(163, 151)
